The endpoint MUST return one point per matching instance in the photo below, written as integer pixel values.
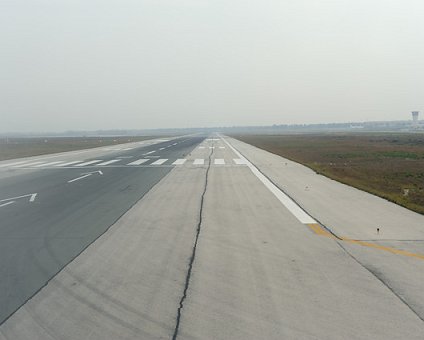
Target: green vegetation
(387, 165)
(24, 147)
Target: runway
(75, 202)
(209, 239)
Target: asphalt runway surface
(38, 238)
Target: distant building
(415, 115)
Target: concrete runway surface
(209, 238)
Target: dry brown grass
(24, 147)
(387, 165)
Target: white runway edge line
(297, 211)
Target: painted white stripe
(239, 161)
(12, 164)
(79, 178)
(89, 162)
(175, 144)
(109, 162)
(222, 147)
(47, 164)
(199, 161)
(28, 164)
(31, 199)
(69, 163)
(148, 153)
(295, 209)
(162, 149)
(201, 147)
(219, 161)
(179, 161)
(138, 162)
(160, 161)
(211, 147)
(126, 149)
(4, 204)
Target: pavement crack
(193, 254)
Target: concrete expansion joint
(193, 254)
(383, 282)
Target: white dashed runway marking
(89, 162)
(69, 163)
(109, 162)
(119, 162)
(179, 161)
(159, 162)
(139, 162)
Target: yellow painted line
(317, 229)
(384, 248)
(320, 230)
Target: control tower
(415, 115)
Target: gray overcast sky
(102, 64)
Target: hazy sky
(103, 64)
